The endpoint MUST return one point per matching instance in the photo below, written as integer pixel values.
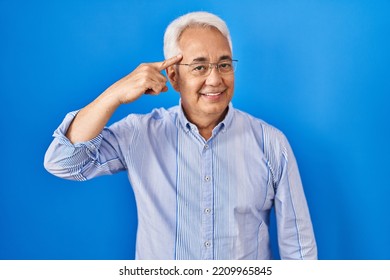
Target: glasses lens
(226, 67)
(199, 69)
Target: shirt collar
(222, 126)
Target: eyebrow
(204, 59)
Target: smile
(212, 93)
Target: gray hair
(194, 19)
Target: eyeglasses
(201, 69)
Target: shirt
(198, 199)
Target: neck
(206, 124)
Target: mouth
(213, 93)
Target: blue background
(317, 70)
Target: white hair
(194, 19)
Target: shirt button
(207, 210)
(206, 147)
(207, 178)
(207, 244)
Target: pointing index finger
(169, 62)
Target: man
(205, 175)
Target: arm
(295, 233)
(146, 78)
(83, 148)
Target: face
(205, 96)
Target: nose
(214, 78)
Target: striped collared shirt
(198, 199)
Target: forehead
(203, 43)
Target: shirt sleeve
(84, 160)
(296, 238)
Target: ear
(173, 77)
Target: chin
(216, 108)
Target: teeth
(212, 94)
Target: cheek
(230, 81)
(190, 87)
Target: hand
(146, 78)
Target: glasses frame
(211, 66)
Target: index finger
(169, 62)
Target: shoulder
(273, 140)
(156, 115)
(257, 124)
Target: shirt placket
(207, 203)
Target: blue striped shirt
(198, 199)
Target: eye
(225, 66)
(199, 68)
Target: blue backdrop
(317, 70)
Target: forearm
(91, 120)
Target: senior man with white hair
(205, 175)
